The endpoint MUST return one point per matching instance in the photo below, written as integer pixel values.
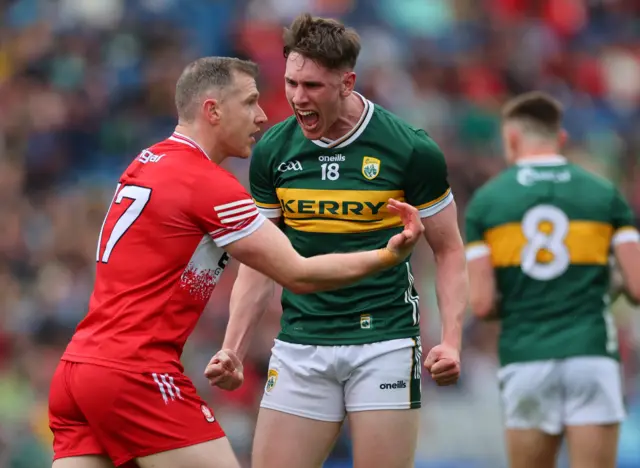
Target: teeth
(305, 113)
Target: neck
(352, 109)
(538, 149)
(207, 140)
(538, 153)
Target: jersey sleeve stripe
(624, 235)
(226, 230)
(233, 219)
(270, 212)
(237, 235)
(477, 250)
(226, 206)
(437, 207)
(436, 201)
(233, 211)
(268, 206)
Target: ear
(211, 110)
(511, 137)
(348, 83)
(563, 137)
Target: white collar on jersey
(543, 160)
(185, 140)
(353, 134)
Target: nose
(261, 117)
(299, 96)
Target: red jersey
(160, 254)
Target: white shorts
(326, 382)
(549, 395)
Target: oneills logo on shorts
(272, 377)
(208, 415)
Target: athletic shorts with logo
(326, 382)
(549, 395)
(97, 410)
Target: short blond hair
(201, 75)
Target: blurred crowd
(86, 84)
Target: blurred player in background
(324, 174)
(119, 395)
(539, 237)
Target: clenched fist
(225, 370)
(443, 362)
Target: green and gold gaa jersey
(548, 226)
(332, 197)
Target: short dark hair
(203, 74)
(323, 40)
(538, 110)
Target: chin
(245, 153)
(312, 135)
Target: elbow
(452, 253)
(296, 279)
(266, 293)
(482, 307)
(299, 287)
(633, 293)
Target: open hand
(402, 244)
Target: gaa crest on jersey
(208, 415)
(370, 167)
(366, 322)
(272, 377)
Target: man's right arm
(250, 296)
(253, 290)
(482, 282)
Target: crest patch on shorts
(208, 415)
(272, 377)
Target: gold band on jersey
(338, 211)
(267, 206)
(434, 202)
(588, 243)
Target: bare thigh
(531, 448)
(593, 446)
(211, 454)
(286, 440)
(83, 461)
(384, 438)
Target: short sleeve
(624, 229)
(223, 208)
(427, 186)
(261, 183)
(476, 247)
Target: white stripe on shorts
(167, 386)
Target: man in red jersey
(119, 396)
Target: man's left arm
(428, 189)
(452, 288)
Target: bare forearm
(452, 290)
(334, 270)
(249, 299)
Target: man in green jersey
(325, 174)
(539, 239)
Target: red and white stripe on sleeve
(238, 219)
